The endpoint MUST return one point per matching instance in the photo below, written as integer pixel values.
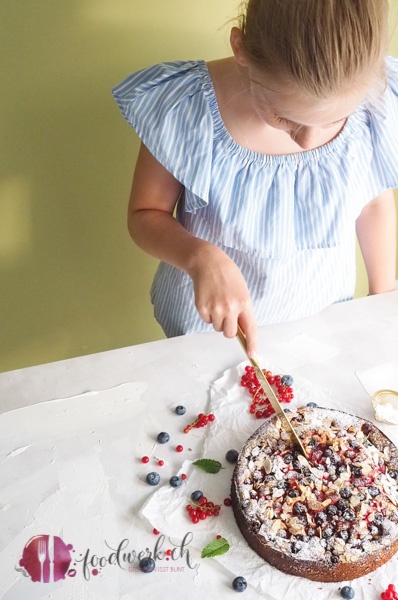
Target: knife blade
(51, 557)
(269, 392)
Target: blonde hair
(323, 45)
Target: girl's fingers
(218, 322)
(230, 326)
(206, 317)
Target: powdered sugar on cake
(337, 508)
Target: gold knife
(269, 392)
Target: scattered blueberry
(347, 592)
(232, 456)
(287, 380)
(239, 584)
(147, 564)
(312, 405)
(181, 410)
(175, 481)
(163, 437)
(195, 496)
(153, 478)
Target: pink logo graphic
(46, 558)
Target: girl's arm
(221, 294)
(376, 231)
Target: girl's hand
(221, 295)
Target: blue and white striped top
(287, 221)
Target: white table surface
(352, 336)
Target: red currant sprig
(260, 406)
(200, 421)
(202, 509)
(390, 593)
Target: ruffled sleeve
(382, 121)
(168, 109)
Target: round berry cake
(334, 518)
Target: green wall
(72, 282)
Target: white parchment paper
(233, 425)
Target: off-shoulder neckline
(222, 132)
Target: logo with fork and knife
(46, 558)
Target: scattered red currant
(183, 477)
(200, 510)
(156, 532)
(390, 593)
(260, 406)
(200, 421)
(145, 459)
(179, 448)
(227, 502)
(160, 463)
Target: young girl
(273, 158)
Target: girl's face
(305, 119)
(283, 105)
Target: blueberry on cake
(331, 518)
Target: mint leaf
(209, 465)
(215, 548)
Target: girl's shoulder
(168, 106)
(384, 107)
(177, 79)
(391, 87)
